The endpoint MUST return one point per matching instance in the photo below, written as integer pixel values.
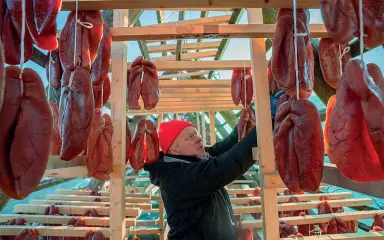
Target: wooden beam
(182, 75)
(332, 175)
(186, 56)
(178, 45)
(264, 129)
(250, 190)
(205, 31)
(118, 115)
(92, 198)
(197, 21)
(305, 205)
(183, 5)
(316, 219)
(53, 231)
(186, 46)
(102, 193)
(182, 110)
(195, 83)
(54, 162)
(212, 127)
(67, 173)
(345, 236)
(142, 206)
(200, 65)
(76, 210)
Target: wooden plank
(186, 46)
(77, 210)
(196, 99)
(142, 206)
(199, 65)
(332, 175)
(186, 56)
(348, 236)
(250, 190)
(118, 115)
(181, 75)
(264, 129)
(89, 221)
(212, 31)
(102, 193)
(190, 104)
(196, 90)
(197, 21)
(300, 198)
(55, 162)
(193, 95)
(69, 172)
(316, 219)
(212, 127)
(92, 198)
(183, 110)
(184, 5)
(53, 231)
(305, 205)
(178, 44)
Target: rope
(295, 46)
(345, 51)
(84, 24)
(22, 39)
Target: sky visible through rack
(238, 49)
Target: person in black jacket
(192, 178)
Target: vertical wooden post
(198, 122)
(118, 111)
(264, 129)
(212, 126)
(159, 120)
(203, 129)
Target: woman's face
(188, 143)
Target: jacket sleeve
(223, 146)
(194, 181)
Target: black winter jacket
(197, 205)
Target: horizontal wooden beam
(250, 190)
(196, 90)
(143, 112)
(200, 65)
(92, 198)
(102, 193)
(54, 162)
(205, 31)
(181, 75)
(186, 56)
(316, 219)
(197, 21)
(183, 5)
(53, 231)
(345, 236)
(332, 175)
(68, 209)
(193, 95)
(195, 83)
(300, 197)
(63, 220)
(142, 206)
(69, 172)
(186, 46)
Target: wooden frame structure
(198, 95)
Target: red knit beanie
(168, 131)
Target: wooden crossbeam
(306, 205)
(205, 31)
(348, 236)
(142, 206)
(316, 219)
(183, 5)
(193, 95)
(68, 209)
(200, 65)
(69, 172)
(187, 56)
(55, 162)
(102, 193)
(92, 198)
(191, 104)
(89, 221)
(197, 21)
(183, 110)
(180, 75)
(250, 190)
(195, 90)
(186, 46)
(301, 198)
(196, 106)
(196, 99)
(66, 231)
(195, 83)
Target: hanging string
(84, 24)
(22, 39)
(367, 78)
(295, 46)
(341, 55)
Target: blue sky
(238, 49)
